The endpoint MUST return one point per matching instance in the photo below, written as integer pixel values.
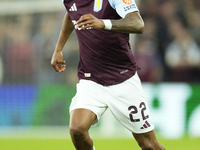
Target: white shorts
(126, 101)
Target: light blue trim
(123, 9)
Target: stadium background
(34, 99)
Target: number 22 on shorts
(134, 110)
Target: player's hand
(90, 21)
(57, 61)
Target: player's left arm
(131, 23)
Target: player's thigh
(81, 119)
(89, 98)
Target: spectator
(44, 41)
(20, 52)
(182, 55)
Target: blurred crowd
(169, 48)
(167, 51)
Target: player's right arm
(57, 58)
(130, 22)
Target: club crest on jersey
(97, 5)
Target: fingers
(86, 21)
(84, 25)
(59, 67)
(84, 18)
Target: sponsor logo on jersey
(73, 7)
(97, 5)
(129, 7)
(128, 2)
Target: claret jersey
(105, 55)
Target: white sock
(93, 148)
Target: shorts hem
(144, 131)
(92, 110)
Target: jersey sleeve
(123, 7)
